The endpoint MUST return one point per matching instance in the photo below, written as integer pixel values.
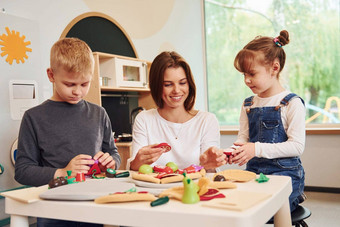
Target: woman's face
(175, 87)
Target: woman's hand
(212, 158)
(146, 155)
(244, 153)
(78, 164)
(105, 161)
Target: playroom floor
(325, 208)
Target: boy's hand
(212, 158)
(79, 164)
(105, 161)
(244, 153)
(147, 155)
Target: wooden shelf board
(124, 89)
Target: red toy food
(163, 145)
(80, 177)
(162, 169)
(165, 174)
(229, 151)
(94, 169)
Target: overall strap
(287, 98)
(248, 102)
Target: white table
(171, 214)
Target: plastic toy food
(123, 174)
(262, 178)
(57, 182)
(191, 189)
(212, 193)
(236, 175)
(219, 178)
(190, 169)
(94, 169)
(173, 166)
(120, 197)
(163, 145)
(229, 151)
(110, 173)
(162, 169)
(80, 177)
(207, 190)
(160, 201)
(164, 174)
(145, 168)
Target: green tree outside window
(312, 67)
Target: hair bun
(284, 37)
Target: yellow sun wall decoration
(14, 46)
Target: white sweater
(194, 137)
(293, 119)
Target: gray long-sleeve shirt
(53, 133)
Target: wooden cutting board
(26, 195)
(238, 200)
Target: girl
(272, 122)
(193, 135)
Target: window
(312, 68)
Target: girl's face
(175, 87)
(69, 87)
(261, 79)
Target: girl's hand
(212, 158)
(79, 164)
(105, 161)
(146, 155)
(244, 153)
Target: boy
(65, 132)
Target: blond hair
(72, 55)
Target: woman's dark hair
(162, 62)
(270, 47)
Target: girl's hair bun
(283, 37)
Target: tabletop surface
(174, 213)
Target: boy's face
(69, 87)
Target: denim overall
(265, 126)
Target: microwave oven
(130, 73)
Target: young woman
(193, 135)
(272, 122)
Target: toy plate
(88, 190)
(154, 185)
